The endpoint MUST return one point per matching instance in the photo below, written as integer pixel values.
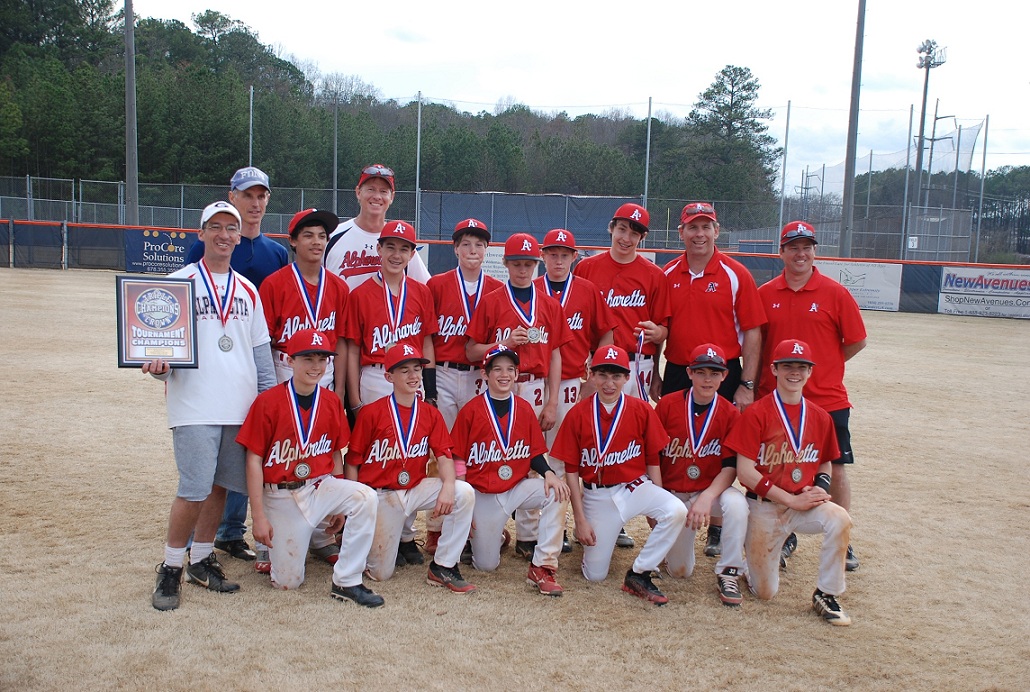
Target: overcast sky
(582, 57)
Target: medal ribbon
(604, 443)
(794, 438)
(312, 310)
(303, 434)
(639, 357)
(395, 315)
(503, 436)
(697, 440)
(565, 290)
(222, 306)
(403, 436)
(529, 319)
(468, 306)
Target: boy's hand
(336, 522)
(556, 485)
(444, 501)
(262, 531)
(585, 532)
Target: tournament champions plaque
(156, 320)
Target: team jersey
(824, 315)
(220, 390)
(287, 310)
(497, 317)
(368, 323)
(635, 292)
(255, 258)
(375, 446)
(683, 471)
(634, 445)
(488, 468)
(271, 431)
(761, 436)
(454, 310)
(588, 318)
(352, 253)
(716, 307)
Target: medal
(312, 310)
(403, 478)
(795, 475)
(697, 440)
(603, 443)
(223, 306)
(641, 388)
(403, 436)
(693, 472)
(502, 435)
(527, 318)
(562, 296)
(303, 433)
(533, 334)
(225, 343)
(504, 472)
(394, 315)
(388, 345)
(794, 438)
(302, 471)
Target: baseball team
(347, 391)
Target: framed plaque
(156, 320)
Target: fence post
(64, 245)
(28, 198)
(182, 205)
(10, 243)
(121, 203)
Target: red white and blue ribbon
(395, 315)
(641, 387)
(305, 298)
(697, 440)
(562, 295)
(503, 435)
(469, 306)
(403, 436)
(793, 437)
(528, 318)
(303, 433)
(225, 304)
(604, 442)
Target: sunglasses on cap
(799, 232)
(378, 170)
(706, 359)
(699, 208)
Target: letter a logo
(561, 236)
(408, 350)
(316, 339)
(473, 224)
(635, 215)
(527, 246)
(712, 354)
(798, 350)
(611, 355)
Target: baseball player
(206, 405)
(612, 441)
(785, 445)
(389, 451)
(295, 435)
(498, 436)
(700, 471)
(351, 252)
(803, 303)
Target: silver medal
(225, 343)
(795, 475)
(302, 471)
(504, 472)
(388, 345)
(533, 334)
(693, 472)
(403, 478)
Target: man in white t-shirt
(208, 404)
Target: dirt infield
(942, 526)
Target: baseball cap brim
(321, 217)
(478, 232)
(522, 257)
(794, 360)
(420, 360)
(692, 217)
(502, 354)
(708, 366)
(313, 351)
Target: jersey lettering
(382, 336)
(588, 457)
(448, 326)
(679, 449)
(480, 453)
(636, 299)
(293, 325)
(286, 452)
(771, 457)
(384, 451)
(575, 321)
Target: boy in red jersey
(700, 470)
(295, 435)
(785, 446)
(613, 441)
(389, 451)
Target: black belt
(751, 496)
(633, 356)
(455, 366)
(528, 377)
(631, 484)
(293, 485)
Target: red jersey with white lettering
(497, 317)
(287, 310)
(634, 445)
(375, 446)
(271, 432)
(454, 310)
(685, 470)
(489, 467)
(825, 316)
(368, 321)
(716, 307)
(760, 435)
(634, 292)
(588, 318)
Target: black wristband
(539, 464)
(822, 480)
(429, 382)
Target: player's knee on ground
(488, 563)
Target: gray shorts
(206, 456)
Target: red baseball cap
(635, 214)
(612, 356)
(796, 230)
(521, 246)
(398, 229)
(307, 342)
(708, 356)
(377, 170)
(471, 227)
(311, 217)
(695, 210)
(402, 353)
(498, 351)
(559, 237)
(792, 351)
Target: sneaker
(166, 591)
(789, 546)
(466, 554)
(237, 548)
(729, 589)
(432, 540)
(826, 605)
(624, 540)
(566, 547)
(359, 593)
(640, 585)
(449, 577)
(262, 563)
(713, 545)
(209, 574)
(851, 562)
(329, 553)
(524, 549)
(543, 578)
(412, 555)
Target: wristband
(763, 487)
(822, 480)
(429, 383)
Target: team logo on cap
(561, 237)
(471, 223)
(408, 350)
(316, 339)
(527, 246)
(712, 354)
(797, 350)
(611, 355)
(635, 215)
(399, 229)
(801, 227)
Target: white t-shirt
(221, 390)
(353, 255)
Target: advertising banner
(873, 285)
(983, 292)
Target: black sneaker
(449, 577)
(826, 605)
(466, 554)
(237, 548)
(640, 585)
(166, 591)
(209, 574)
(713, 545)
(566, 547)
(624, 540)
(729, 589)
(412, 555)
(524, 549)
(359, 593)
(789, 546)
(851, 562)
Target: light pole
(930, 56)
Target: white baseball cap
(219, 207)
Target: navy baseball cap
(498, 351)
(249, 177)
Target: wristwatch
(748, 384)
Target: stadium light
(930, 56)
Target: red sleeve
(343, 429)
(852, 328)
(360, 439)
(256, 432)
(268, 303)
(342, 300)
(655, 437)
(479, 328)
(439, 439)
(353, 322)
(537, 444)
(746, 436)
(428, 308)
(567, 444)
(461, 430)
(750, 312)
(603, 320)
(661, 311)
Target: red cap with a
(471, 227)
(796, 230)
(402, 353)
(521, 246)
(308, 341)
(613, 356)
(398, 229)
(559, 237)
(697, 210)
(635, 214)
(792, 351)
(377, 170)
(708, 356)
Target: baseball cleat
(729, 589)
(237, 548)
(624, 540)
(789, 546)
(328, 553)
(713, 544)
(359, 593)
(209, 574)
(432, 540)
(566, 547)
(466, 553)
(166, 591)
(412, 555)
(543, 578)
(524, 549)
(826, 605)
(449, 577)
(640, 585)
(262, 564)
(851, 562)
